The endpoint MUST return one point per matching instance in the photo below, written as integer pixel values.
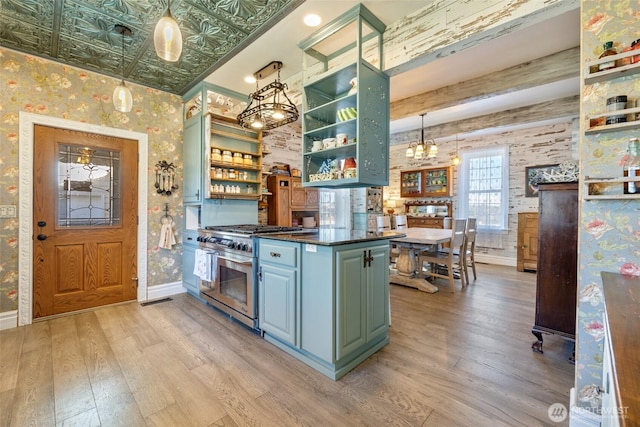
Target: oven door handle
(235, 260)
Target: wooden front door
(85, 220)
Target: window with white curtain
(483, 187)
(335, 208)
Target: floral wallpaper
(48, 88)
(609, 235)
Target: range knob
(232, 244)
(244, 247)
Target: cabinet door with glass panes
(437, 182)
(433, 182)
(412, 183)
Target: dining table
(416, 240)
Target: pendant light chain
(122, 99)
(123, 56)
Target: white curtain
(335, 208)
(483, 175)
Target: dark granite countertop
(333, 236)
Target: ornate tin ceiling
(81, 33)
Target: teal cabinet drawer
(281, 254)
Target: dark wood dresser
(557, 261)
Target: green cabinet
(326, 305)
(189, 280)
(278, 290)
(362, 297)
(193, 153)
(222, 160)
(345, 98)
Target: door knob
(42, 237)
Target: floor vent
(156, 301)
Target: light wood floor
(454, 359)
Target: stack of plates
(308, 222)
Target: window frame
(464, 191)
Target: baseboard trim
(579, 417)
(497, 260)
(8, 320)
(164, 290)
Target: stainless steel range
(234, 288)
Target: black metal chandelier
(269, 107)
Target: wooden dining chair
(470, 248)
(383, 223)
(451, 260)
(401, 222)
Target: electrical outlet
(7, 211)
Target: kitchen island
(323, 297)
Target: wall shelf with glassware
(345, 119)
(613, 73)
(234, 157)
(432, 182)
(595, 122)
(601, 188)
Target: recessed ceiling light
(312, 20)
(250, 79)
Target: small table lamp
(391, 204)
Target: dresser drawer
(279, 253)
(425, 222)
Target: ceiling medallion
(269, 107)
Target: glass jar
(627, 60)
(232, 174)
(608, 51)
(237, 158)
(225, 173)
(635, 46)
(218, 173)
(248, 160)
(216, 155)
(226, 156)
(631, 167)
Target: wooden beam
(564, 107)
(549, 69)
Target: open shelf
(613, 73)
(597, 185)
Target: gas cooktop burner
(251, 228)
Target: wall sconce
(167, 38)
(269, 107)
(165, 178)
(122, 99)
(417, 150)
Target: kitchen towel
(203, 265)
(167, 235)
